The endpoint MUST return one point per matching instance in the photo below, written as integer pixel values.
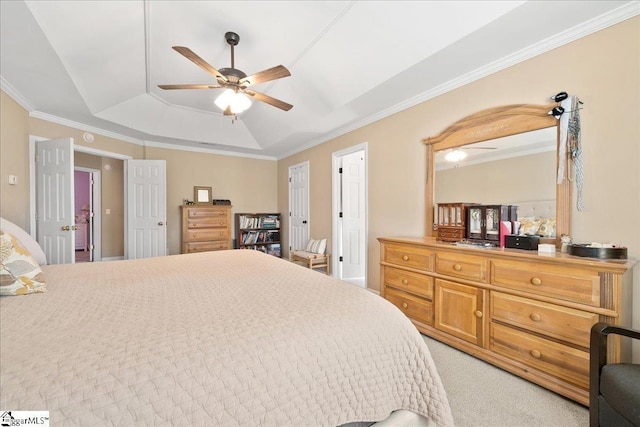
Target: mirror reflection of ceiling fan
(237, 96)
(458, 154)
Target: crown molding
(620, 14)
(601, 22)
(208, 150)
(15, 95)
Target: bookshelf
(259, 231)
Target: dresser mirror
(528, 159)
(511, 158)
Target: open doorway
(109, 204)
(87, 198)
(349, 214)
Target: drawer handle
(536, 281)
(457, 267)
(405, 282)
(405, 305)
(535, 354)
(405, 257)
(478, 314)
(535, 317)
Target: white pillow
(316, 246)
(25, 239)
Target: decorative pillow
(20, 274)
(547, 227)
(25, 240)
(529, 225)
(317, 246)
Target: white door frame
(32, 174)
(96, 206)
(308, 200)
(335, 207)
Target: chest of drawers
(206, 228)
(529, 314)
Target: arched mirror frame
(489, 124)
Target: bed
(218, 338)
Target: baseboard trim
(112, 258)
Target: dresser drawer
(463, 266)
(566, 283)
(562, 361)
(408, 256)
(553, 320)
(204, 234)
(407, 281)
(412, 306)
(195, 213)
(208, 222)
(205, 246)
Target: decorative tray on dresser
(527, 313)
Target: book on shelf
(274, 249)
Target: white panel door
(353, 239)
(55, 218)
(146, 213)
(298, 206)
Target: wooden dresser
(529, 314)
(206, 228)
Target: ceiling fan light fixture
(455, 156)
(235, 101)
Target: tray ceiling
(98, 63)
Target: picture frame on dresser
(202, 195)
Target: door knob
(74, 228)
(161, 223)
(65, 228)
(304, 222)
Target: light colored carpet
(482, 395)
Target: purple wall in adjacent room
(81, 190)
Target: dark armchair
(614, 390)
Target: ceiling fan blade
(190, 55)
(269, 100)
(203, 86)
(277, 72)
(479, 148)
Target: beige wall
(14, 160)
(249, 183)
(603, 69)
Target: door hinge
(289, 179)
(340, 259)
(36, 158)
(340, 214)
(289, 213)
(340, 170)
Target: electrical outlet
(13, 180)
(107, 211)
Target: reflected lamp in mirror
(202, 195)
(455, 156)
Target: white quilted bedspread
(232, 338)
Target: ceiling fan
(237, 83)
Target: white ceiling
(96, 64)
